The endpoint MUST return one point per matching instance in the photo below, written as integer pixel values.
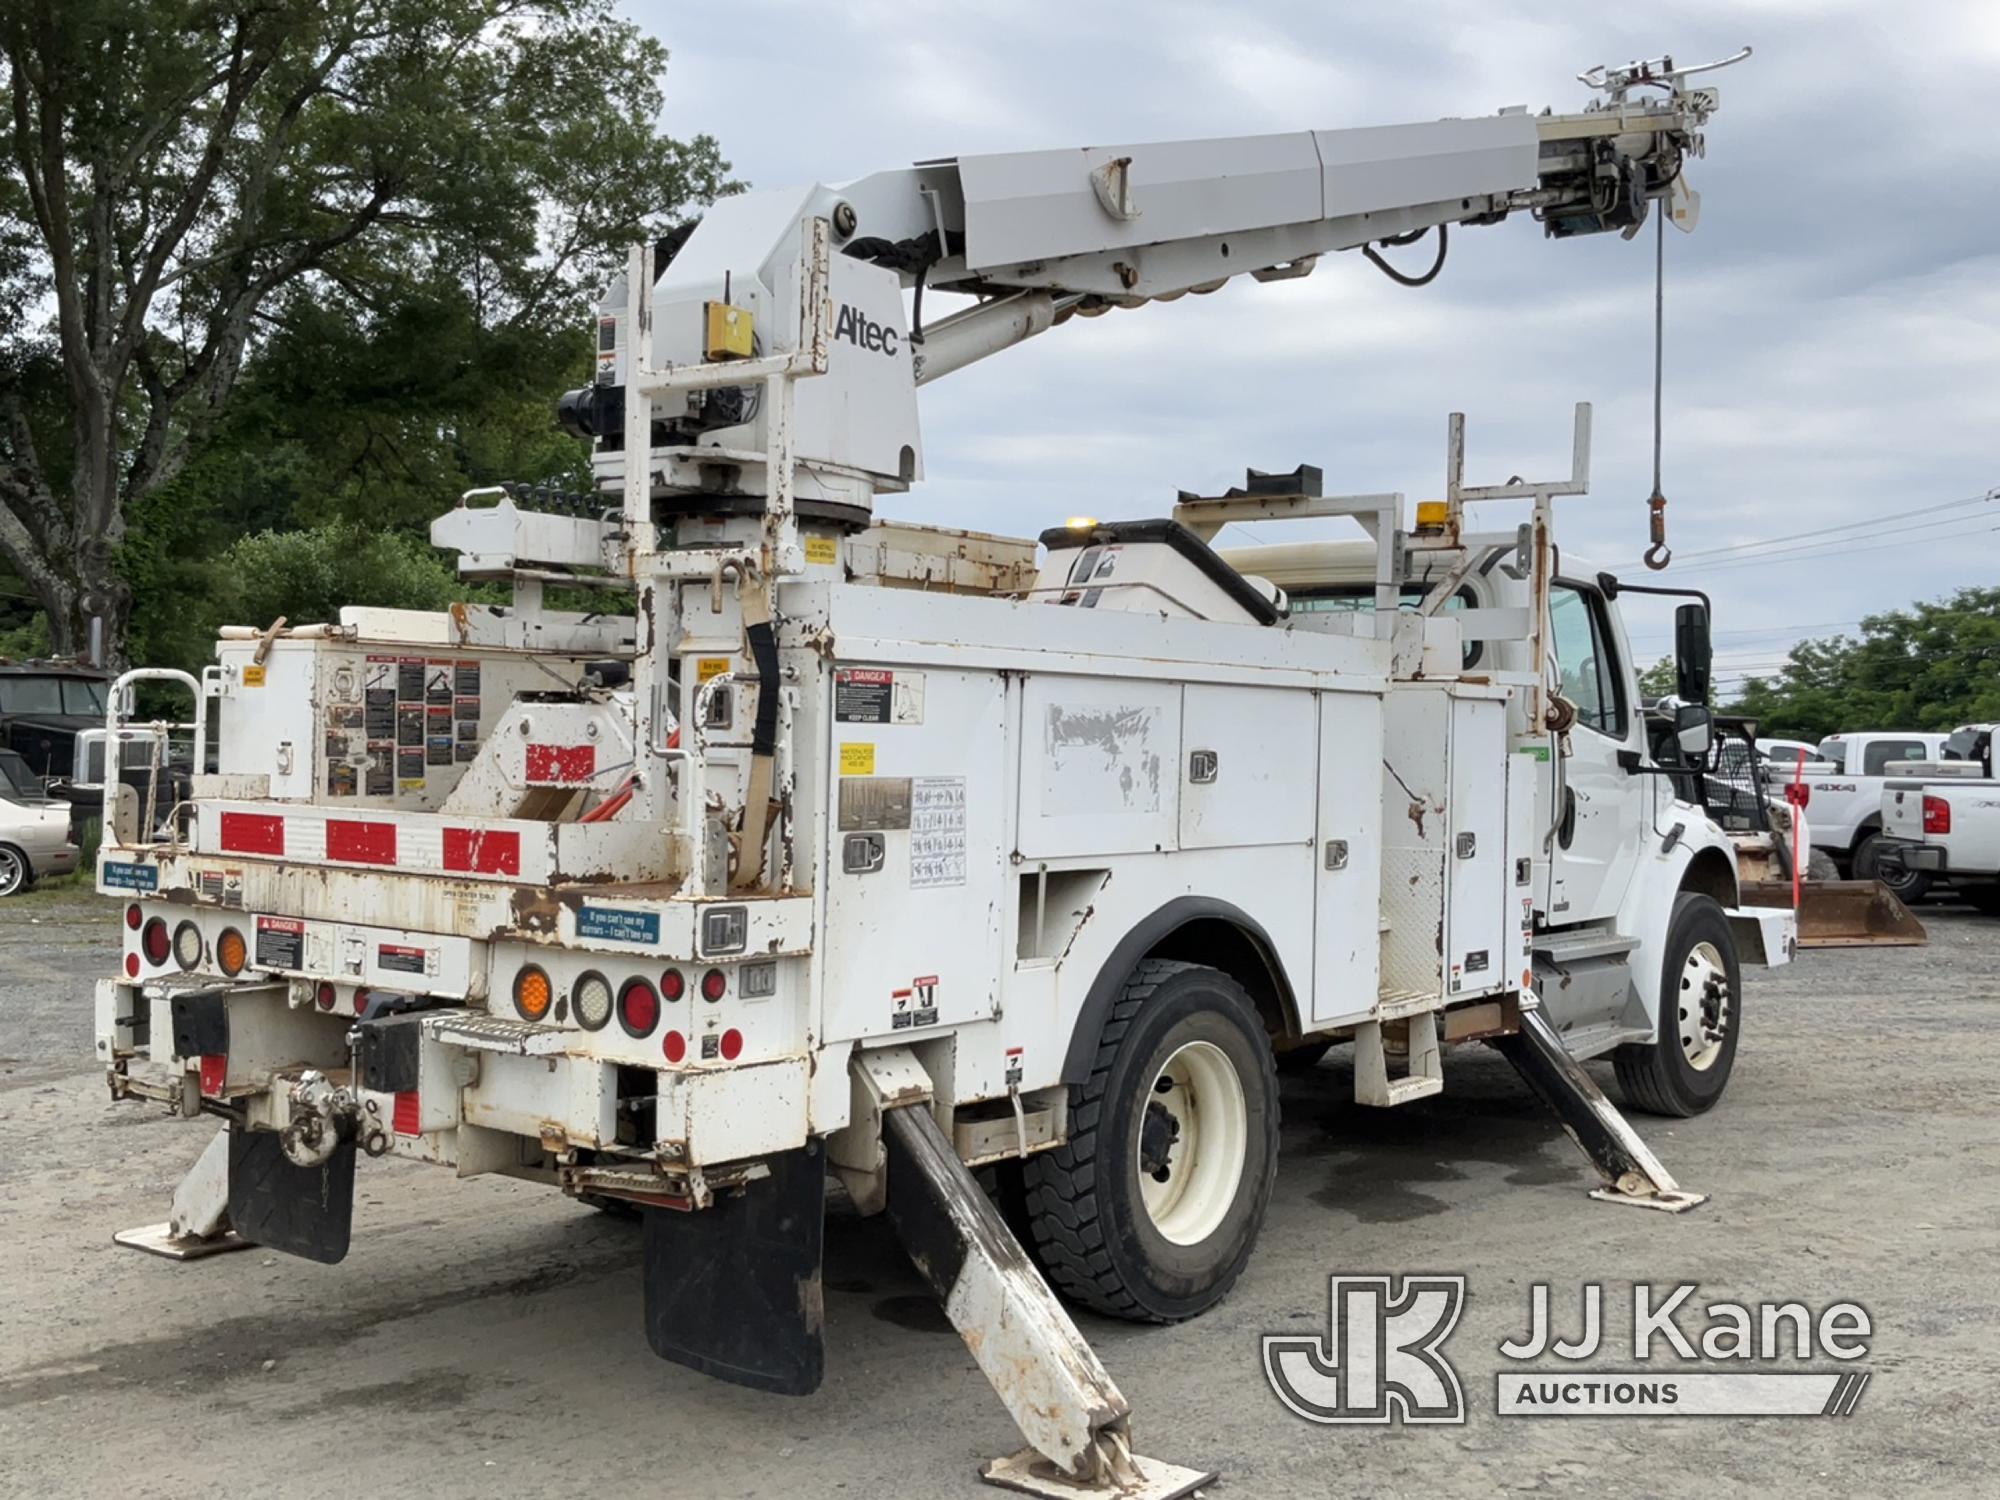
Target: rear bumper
(1911, 855)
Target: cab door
(1599, 805)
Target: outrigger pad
(304, 1211)
(734, 1290)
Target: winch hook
(1659, 554)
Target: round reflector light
(532, 993)
(230, 954)
(638, 1008)
(133, 916)
(591, 1000)
(673, 1046)
(732, 1044)
(324, 996)
(131, 966)
(154, 940)
(713, 985)
(672, 985)
(187, 945)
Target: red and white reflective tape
(418, 842)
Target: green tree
(1658, 680)
(1935, 665)
(392, 196)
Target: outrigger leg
(1073, 1416)
(199, 1223)
(1631, 1173)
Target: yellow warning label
(253, 676)
(822, 549)
(707, 667)
(856, 760)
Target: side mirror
(1692, 653)
(1694, 729)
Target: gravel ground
(483, 1338)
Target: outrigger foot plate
(160, 1239)
(1150, 1479)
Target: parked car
(34, 829)
(42, 706)
(1845, 811)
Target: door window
(1586, 662)
(1876, 756)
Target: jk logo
(1379, 1359)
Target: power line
(1815, 551)
(1868, 524)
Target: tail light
(324, 996)
(187, 945)
(672, 985)
(230, 953)
(590, 1000)
(131, 966)
(134, 917)
(732, 1045)
(531, 993)
(1937, 815)
(673, 1046)
(155, 943)
(713, 985)
(638, 1008)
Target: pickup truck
(1846, 798)
(1942, 818)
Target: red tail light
(1937, 815)
(673, 1046)
(672, 985)
(158, 946)
(713, 985)
(133, 916)
(638, 1008)
(324, 996)
(732, 1044)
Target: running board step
(1422, 1076)
(1579, 944)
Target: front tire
(1908, 886)
(1150, 1210)
(1684, 1070)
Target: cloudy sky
(1833, 334)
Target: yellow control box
(730, 332)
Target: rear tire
(1149, 1211)
(1909, 886)
(1685, 1069)
(15, 875)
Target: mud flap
(303, 1211)
(734, 1290)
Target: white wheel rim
(11, 871)
(1191, 1142)
(1704, 1004)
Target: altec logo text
(1381, 1358)
(864, 332)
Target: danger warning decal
(874, 695)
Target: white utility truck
(897, 852)
(1845, 801)
(1941, 818)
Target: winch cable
(1659, 554)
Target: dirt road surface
(483, 1338)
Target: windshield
(17, 782)
(51, 695)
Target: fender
(1142, 941)
(1701, 859)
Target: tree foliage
(1933, 666)
(299, 260)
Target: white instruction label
(937, 831)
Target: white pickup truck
(1844, 809)
(1943, 818)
